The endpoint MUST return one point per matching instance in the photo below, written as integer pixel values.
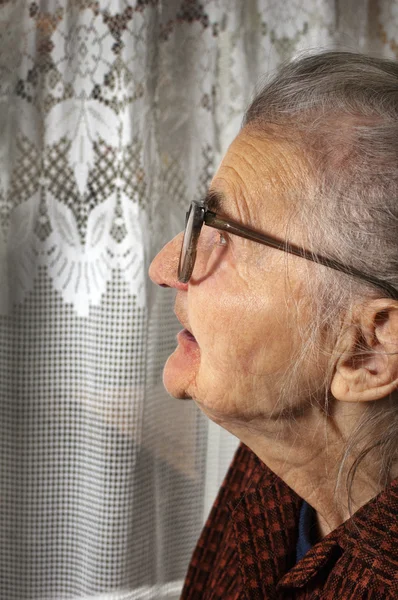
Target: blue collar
(306, 529)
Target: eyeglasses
(198, 215)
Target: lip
(186, 339)
(185, 327)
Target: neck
(308, 456)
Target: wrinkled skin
(246, 306)
(240, 303)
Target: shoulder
(214, 567)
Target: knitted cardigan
(247, 549)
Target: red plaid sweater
(247, 549)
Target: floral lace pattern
(84, 76)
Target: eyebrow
(214, 201)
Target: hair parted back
(340, 110)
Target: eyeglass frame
(203, 216)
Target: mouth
(186, 334)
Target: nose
(164, 267)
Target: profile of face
(244, 306)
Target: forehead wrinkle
(241, 157)
(258, 175)
(282, 161)
(270, 179)
(239, 193)
(277, 166)
(269, 166)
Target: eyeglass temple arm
(213, 220)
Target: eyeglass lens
(186, 246)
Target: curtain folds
(114, 115)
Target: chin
(177, 380)
(180, 370)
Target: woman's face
(245, 302)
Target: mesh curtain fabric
(113, 116)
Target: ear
(367, 367)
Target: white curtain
(114, 115)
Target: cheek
(246, 348)
(244, 330)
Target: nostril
(164, 267)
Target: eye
(222, 239)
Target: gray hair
(340, 110)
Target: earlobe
(367, 364)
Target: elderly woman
(287, 289)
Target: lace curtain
(114, 115)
